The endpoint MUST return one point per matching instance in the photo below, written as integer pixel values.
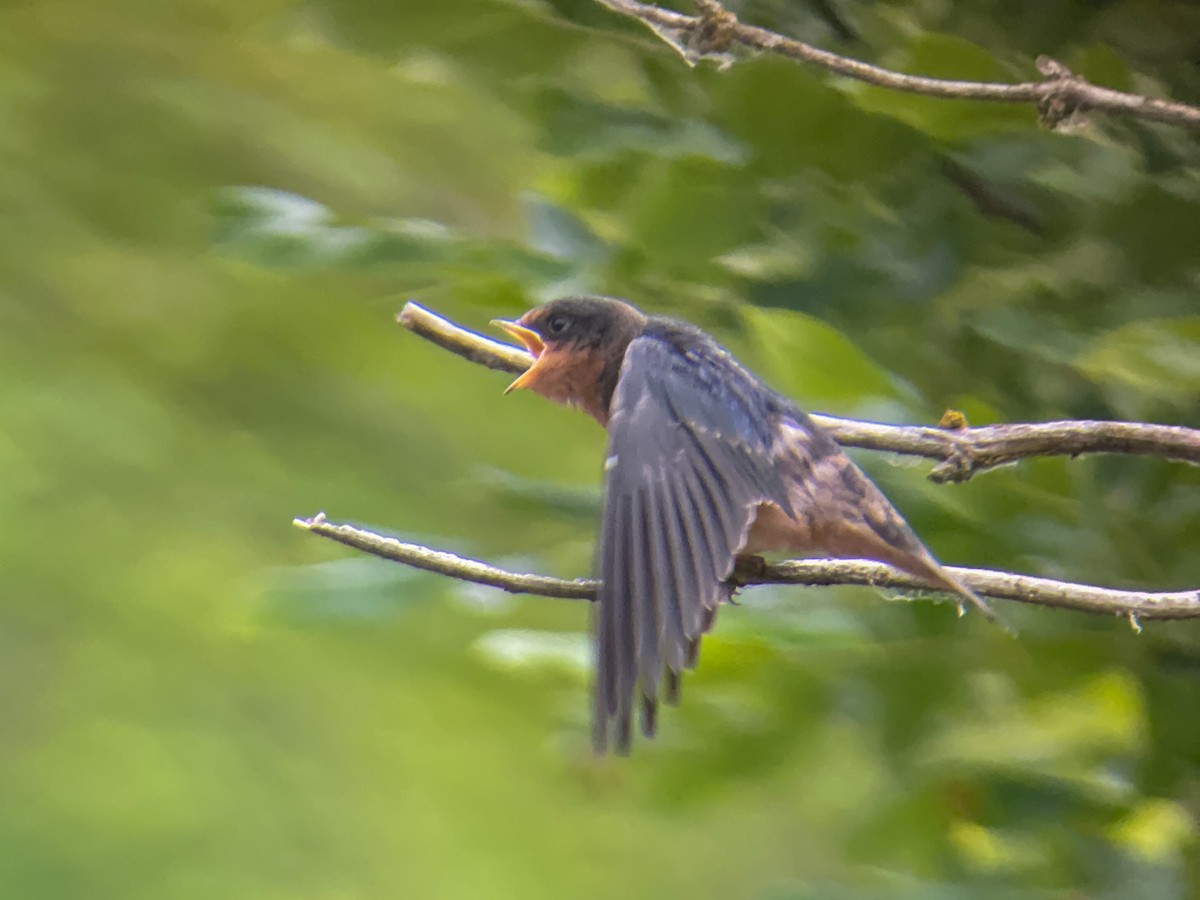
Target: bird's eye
(558, 324)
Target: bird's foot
(747, 569)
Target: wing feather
(625, 625)
(684, 581)
(706, 512)
(726, 509)
(648, 589)
(689, 461)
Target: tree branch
(814, 572)
(961, 452)
(1059, 98)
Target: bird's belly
(775, 530)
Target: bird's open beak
(533, 343)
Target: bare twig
(961, 452)
(816, 572)
(467, 344)
(1059, 98)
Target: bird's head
(577, 344)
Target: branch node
(1052, 68)
(710, 35)
(959, 464)
(714, 32)
(1062, 105)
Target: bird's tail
(934, 570)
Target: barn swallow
(705, 462)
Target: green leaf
(945, 56)
(356, 589)
(1159, 359)
(581, 126)
(691, 210)
(813, 362)
(796, 121)
(521, 649)
(1069, 735)
(1156, 234)
(1101, 64)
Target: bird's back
(756, 409)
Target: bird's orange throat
(567, 376)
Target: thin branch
(961, 452)
(1135, 605)
(467, 344)
(1059, 98)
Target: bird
(706, 465)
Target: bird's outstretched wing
(689, 461)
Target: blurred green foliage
(213, 208)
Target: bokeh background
(212, 210)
